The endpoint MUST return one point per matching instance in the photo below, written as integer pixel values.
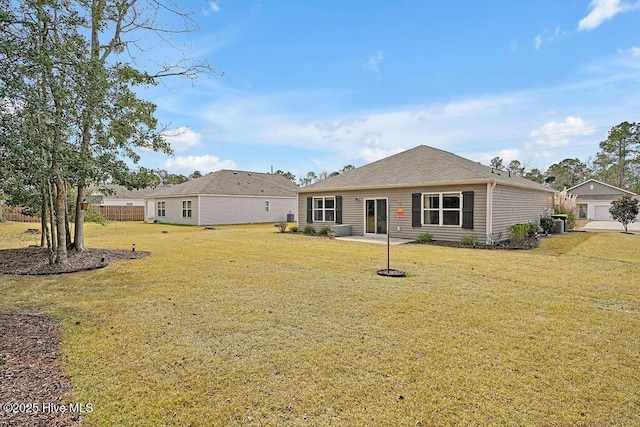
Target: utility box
(558, 226)
(341, 229)
(291, 217)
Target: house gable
(421, 165)
(232, 183)
(593, 187)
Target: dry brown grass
(243, 325)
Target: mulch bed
(33, 385)
(35, 260)
(529, 243)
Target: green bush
(92, 215)
(468, 240)
(546, 222)
(533, 229)
(425, 238)
(309, 230)
(293, 229)
(324, 230)
(518, 232)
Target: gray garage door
(601, 213)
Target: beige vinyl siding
(218, 210)
(598, 188)
(173, 211)
(353, 211)
(244, 210)
(513, 205)
(122, 202)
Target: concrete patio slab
(381, 240)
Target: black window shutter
(416, 210)
(467, 209)
(309, 209)
(338, 209)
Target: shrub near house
(625, 210)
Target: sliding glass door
(375, 216)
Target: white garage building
(594, 199)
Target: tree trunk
(78, 234)
(51, 237)
(43, 217)
(61, 229)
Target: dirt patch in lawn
(33, 384)
(35, 260)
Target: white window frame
(186, 209)
(586, 210)
(267, 206)
(322, 213)
(441, 209)
(161, 209)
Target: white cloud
(373, 61)
(537, 42)
(555, 135)
(603, 10)
(204, 164)
(547, 37)
(183, 139)
(506, 155)
(213, 7)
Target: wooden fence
(17, 216)
(122, 213)
(112, 213)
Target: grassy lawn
(242, 325)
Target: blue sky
(316, 85)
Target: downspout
(297, 217)
(199, 210)
(489, 219)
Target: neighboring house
(117, 195)
(439, 193)
(224, 197)
(118, 203)
(594, 199)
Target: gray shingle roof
(232, 183)
(420, 166)
(119, 192)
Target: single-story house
(594, 199)
(224, 197)
(424, 190)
